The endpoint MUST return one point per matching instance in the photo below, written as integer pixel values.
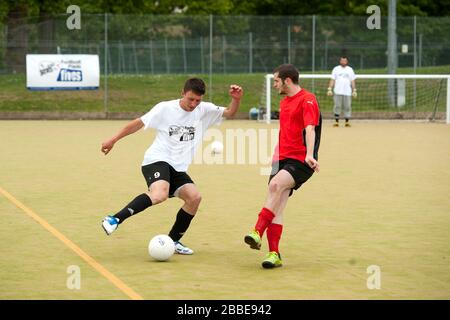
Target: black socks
(181, 224)
(140, 203)
(336, 117)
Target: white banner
(63, 72)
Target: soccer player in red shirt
(294, 160)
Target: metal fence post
(105, 101)
(136, 65)
(120, 63)
(151, 57)
(392, 51)
(202, 61)
(313, 62)
(415, 62)
(224, 54)
(420, 50)
(250, 52)
(289, 43)
(210, 56)
(167, 55)
(448, 101)
(184, 55)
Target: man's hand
(354, 94)
(107, 146)
(131, 127)
(236, 92)
(329, 92)
(312, 163)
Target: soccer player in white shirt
(343, 81)
(180, 126)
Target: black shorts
(300, 171)
(163, 171)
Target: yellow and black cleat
(253, 239)
(272, 260)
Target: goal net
(423, 97)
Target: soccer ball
(217, 147)
(161, 247)
(253, 113)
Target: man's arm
(354, 94)
(330, 87)
(236, 93)
(130, 128)
(310, 140)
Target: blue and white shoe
(110, 224)
(181, 249)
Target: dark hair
(287, 71)
(195, 85)
(343, 57)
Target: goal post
(381, 96)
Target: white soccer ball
(161, 247)
(217, 147)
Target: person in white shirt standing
(343, 80)
(180, 126)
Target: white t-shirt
(179, 131)
(343, 78)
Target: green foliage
(225, 7)
(39, 26)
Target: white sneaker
(110, 224)
(181, 249)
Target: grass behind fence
(138, 93)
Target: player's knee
(277, 188)
(194, 200)
(274, 186)
(158, 196)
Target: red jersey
(296, 113)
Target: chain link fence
(216, 47)
(224, 44)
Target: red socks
(265, 217)
(273, 236)
(274, 230)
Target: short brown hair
(195, 85)
(287, 71)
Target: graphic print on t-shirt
(185, 133)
